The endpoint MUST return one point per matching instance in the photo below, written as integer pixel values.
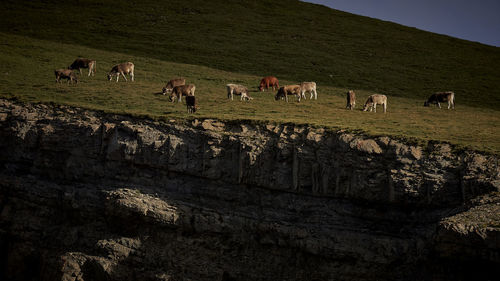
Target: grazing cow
(191, 104)
(288, 90)
(122, 68)
(173, 83)
(308, 87)
(238, 90)
(80, 63)
(373, 100)
(442, 97)
(269, 81)
(351, 100)
(66, 74)
(180, 91)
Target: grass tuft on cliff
(212, 43)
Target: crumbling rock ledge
(93, 196)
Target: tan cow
(442, 97)
(288, 90)
(308, 87)
(80, 63)
(180, 91)
(373, 100)
(173, 83)
(66, 74)
(238, 90)
(122, 69)
(351, 100)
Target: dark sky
(473, 20)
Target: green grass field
(212, 43)
(27, 75)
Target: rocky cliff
(92, 196)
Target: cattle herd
(177, 88)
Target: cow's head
(166, 90)
(109, 77)
(171, 97)
(279, 94)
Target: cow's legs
(124, 77)
(79, 69)
(286, 97)
(132, 76)
(439, 105)
(374, 107)
(385, 107)
(315, 95)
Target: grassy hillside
(27, 75)
(290, 39)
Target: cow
(122, 68)
(80, 63)
(180, 91)
(191, 104)
(373, 100)
(238, 90)
(442, 97)
(351, 100)
(66, 74)
(269, 81)
(308, 87)
(173, 83)
(288, 90)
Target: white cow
(373, 100)
(308, 87)
(239, 90)
(122, 68)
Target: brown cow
(269, 81)
(373, 100)
(351, 100)
(308, 87)
(180, 91)
(66, 74)
(288, 90)
(80, 63)
(191, 104)
(122, 68)
(442, 97)
(173, 83)
(238, 90)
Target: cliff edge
(92, 196)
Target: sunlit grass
(28, 76)
(290, 39)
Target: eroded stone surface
(91, 196)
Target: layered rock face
(92, 196)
